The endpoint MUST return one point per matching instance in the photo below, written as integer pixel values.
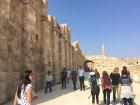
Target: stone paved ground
(70, 97)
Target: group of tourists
(66, 75)
(25, 93)
(120, 85)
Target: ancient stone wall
(20, 43)
(9, 48)
(29, 39)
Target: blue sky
(116, 23)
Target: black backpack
(94, 87)
(93, 80)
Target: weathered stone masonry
(30, 39)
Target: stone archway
(85, 65)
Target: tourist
(95, 87)
(115, 76)
(24, 93)
(126, 88)
(68, 75)
(64, 78)
(49, 80)
(125, 68)
(97, 74)
(81, 78)
(74, 78)
(106, 87)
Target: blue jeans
(48, 85)
(82, 85)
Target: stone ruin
(30, 39)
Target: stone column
(46, 47)
(55, 43)
(31, 42)
(4, 16)
(56, 54)
(78, 55)
(28, 33)
(62, 52)
(67, 54)
(10, 47)
(52, 43)
(71, 57)
(74, 59)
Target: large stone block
(3, 87)
(3, 98)
(5, 9)
(29, 18)
(3, 76)
(12, 85)
(16, 13)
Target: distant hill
(102, 62)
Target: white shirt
(68, 73)
(23, 99)
(81, 72)
(49, 78)
(126, 92)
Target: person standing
(64, 78)
(95, 88)
(128, 73)
(106, 87)
(115, 76)
(74, 78)
(68, 75)
(24, 93)
(97, 74)
(81, 78)
(49, 80)
(126, 88)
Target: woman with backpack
(106, 87)
(95, 88)
(126, 87)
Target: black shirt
(74, 75)
(115, 78)
(64, 74)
